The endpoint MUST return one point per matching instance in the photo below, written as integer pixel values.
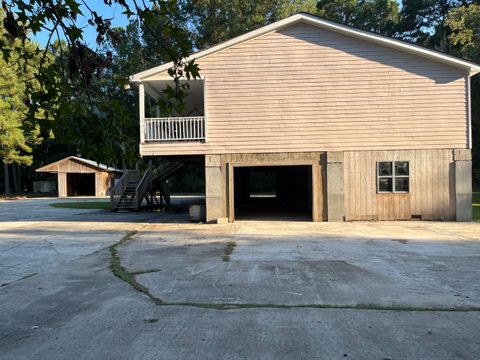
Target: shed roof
(53, 167)
(386, 41)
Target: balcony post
(141, 107)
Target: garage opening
(80, 184)
(273, 193)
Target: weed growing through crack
(228, 250)
(122, 273)
(129, 277)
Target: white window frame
(393, 177)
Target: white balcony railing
(190, 128)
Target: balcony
(189, 128)
(186, 125)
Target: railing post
(141, 106)
(174, 128)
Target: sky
(113, 12)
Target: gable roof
(434, 55)
(91, 163)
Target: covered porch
(187, 124)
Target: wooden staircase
(164, 171)
(128, 199)
(130, 191)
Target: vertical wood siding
(308, 89)
(430, 195)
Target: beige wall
(432, 193)
(308, 89)
(432, 186)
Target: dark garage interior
(80, 184)
(273, 193)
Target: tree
(76, 88)
(215, 21)
(423, 21)
(380, 16)
(342, 11)
(19, 129)
(464, 25)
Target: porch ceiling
(155, 87)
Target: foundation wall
(344, 184)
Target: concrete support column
(317, 193)
(463, 184)
(215, 189)
(335, 187)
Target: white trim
(141, 108)
(469, 113)
(205, 107)
(328, 25)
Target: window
(393, 177)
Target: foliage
(424, 22)
(19, 129)
(77, 89)
(189, 179)
(215, 21)
(381, 16)
(464, 25)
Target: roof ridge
(330, 25)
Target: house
(342, 123)
(81, 177)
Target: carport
(273, 192)
(81, 177)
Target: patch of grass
(227, 251)
(82, 205)
(476, 205)
(122, 273)
(234, 306)
(145, 271)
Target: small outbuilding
(82, 177)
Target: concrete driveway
(252, 290)
(404, 264)
(35, 237)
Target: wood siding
(431, 192)
(103, 179)
(308, 89)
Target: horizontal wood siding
(308, 89)
(431, 181)
(71, 166)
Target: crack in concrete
(129, 277)
(22, 278)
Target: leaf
(6, 54)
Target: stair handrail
(119, 188)
(163, 171)
(142, 187)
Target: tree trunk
(16, 190)
(19, 179)
(7, 179)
